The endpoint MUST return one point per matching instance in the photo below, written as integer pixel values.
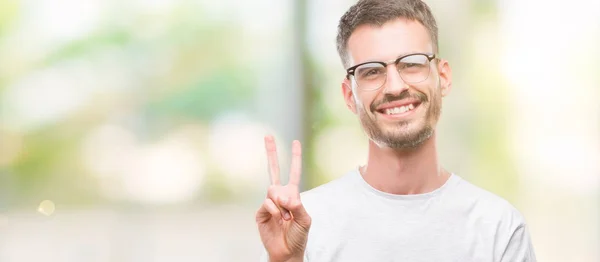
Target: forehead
(387, 42)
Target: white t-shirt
(352, 221)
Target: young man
(401, 205)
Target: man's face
(380, 111)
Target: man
(401, 205)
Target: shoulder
(488, 212)
(485, 205)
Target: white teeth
(399, 110)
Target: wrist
(296, 259)
(292, 259)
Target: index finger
(272, 159)
(296, 166)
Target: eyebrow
(391, 60)
(401, 55)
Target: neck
(404, 171)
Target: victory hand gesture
(282, 220)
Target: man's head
(395, 81)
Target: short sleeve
(519, 248)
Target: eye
(413, 62)
(370, 71)
(411, 66)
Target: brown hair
(379, 12)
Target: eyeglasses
(413, 68)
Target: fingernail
(286, 216)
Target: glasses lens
(414, 68)
(370, 76)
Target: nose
(394, 85)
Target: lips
(398, 107)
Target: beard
(406, 134)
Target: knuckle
(271, 191)
(295, 204)
(272, 188)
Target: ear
(348, 95)
(445, 73)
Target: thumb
(294, 205)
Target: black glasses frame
(350, 71)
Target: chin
(404, 128)
(404, 137)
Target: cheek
(363, 101)
(431, 90)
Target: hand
(282, 220)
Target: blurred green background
(133, 130)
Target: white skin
(408, 170)
(283, 222)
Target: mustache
(388, 98)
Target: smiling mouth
(399, 109)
